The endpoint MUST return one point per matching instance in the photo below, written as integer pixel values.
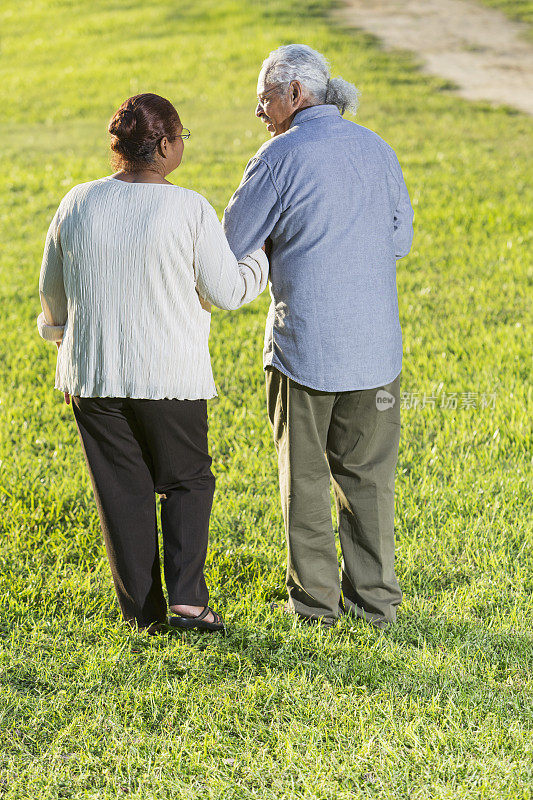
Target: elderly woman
(131, 264)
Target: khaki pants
(351, 438)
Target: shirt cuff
(52, 333)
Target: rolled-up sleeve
(221, 278)
(51, 287)
(253, 210)
(51, 333)
(403, 214)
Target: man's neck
(291, 118)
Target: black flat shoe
(199, 622)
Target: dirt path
(479, 49)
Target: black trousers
(133, 448)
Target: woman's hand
(67, 396)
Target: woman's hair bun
(137, 127)
(123, 123)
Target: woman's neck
(140, 176)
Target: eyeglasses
(184, 134)
(261, 100)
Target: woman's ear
(163, 147)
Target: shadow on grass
(454, 664)
(283, 645)
(453, 661)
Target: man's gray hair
(298, 62)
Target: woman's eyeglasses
(184, 134)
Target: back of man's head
(299, 62)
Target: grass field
(521, 10)
(439, 707)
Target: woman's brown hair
(137, 127)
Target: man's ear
(296, 91)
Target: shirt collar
(313, 112)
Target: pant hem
(378, 620)
(142, 624)
(308, 612)
(188, 602)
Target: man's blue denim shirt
(331, 196)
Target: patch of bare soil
(483, 52)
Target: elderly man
(329, 199)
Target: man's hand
(206, 305)
(267, 247)
(67, 396)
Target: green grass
(439, 707)
(521, 10)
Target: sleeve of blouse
(220, 278)
(51, 287)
